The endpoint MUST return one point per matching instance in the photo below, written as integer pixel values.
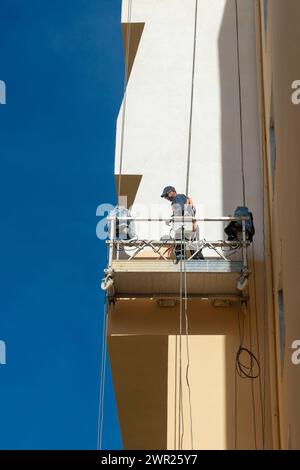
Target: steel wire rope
(104, 336)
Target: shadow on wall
(230, 112)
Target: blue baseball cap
(167, 190)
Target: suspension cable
(187, 346)
(192, 99)
(181, 418)
(241, 369)
(183, 248)
(104, 334)
(175, 401)
(253, 360)
(128, 32)
(240, 99)
(102, 378)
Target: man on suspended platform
(182, 205)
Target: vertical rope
(183, 252)
(104, 335)
(128, 31)
(180, 433)
(244, 203)
(240, 99)
(187, 347)
(192, 100)
(175, 404)
(102, 379)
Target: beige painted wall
(142, 337)
(140, 326)
(281, 66)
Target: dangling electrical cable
(252, 376)
(251, 370)
(128, 32)
(241, 329)
(241, 369)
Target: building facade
(207, 108)
(278, 42)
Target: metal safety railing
(117, 244)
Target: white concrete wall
(158, 107)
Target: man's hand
(168, 222)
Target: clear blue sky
(62, 61)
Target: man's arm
(189, 202)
